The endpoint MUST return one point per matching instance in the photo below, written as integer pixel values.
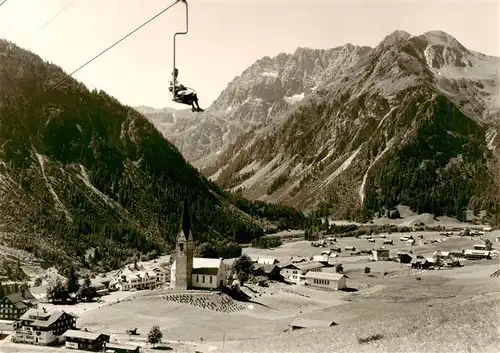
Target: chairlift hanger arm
(175, 35)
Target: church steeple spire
(182, 275)
(185, 226)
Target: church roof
(203, 262)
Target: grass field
(464, 327)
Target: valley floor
(443, 311)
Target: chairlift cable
(89, 61)
(41, 28)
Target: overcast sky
(225, 37)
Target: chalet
(326, 280)
(477, 254)
(380, 254)
(84, 340)
(266, 260)
(271, 272)
(293, 272)
(300, 323)
(138, 277)
(479, 247)
(404, 257)
(39, 327)
(121, 348)
(420, 263)
(14, 305)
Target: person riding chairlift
(183, 94)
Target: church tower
(184, 251)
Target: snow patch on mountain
(270, 74)
(295, 98)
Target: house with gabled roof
(14, 305)
(41, 327)
(294, 272)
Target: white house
(206, 273)
(138, 277)
(39, 327)
(326, 280)
(295, 271)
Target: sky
(224, 38)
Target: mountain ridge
(433, 69)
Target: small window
(203, 279)
(210, 279)
(197, 278)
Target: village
(192, 304)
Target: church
(189, 272)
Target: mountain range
(82, 174)
(354, 131)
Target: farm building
(404, 257)
(14, 305)
(479, 247)
(388, 242)
(266, 260)
(269, 271)
(300, 323)
(420, 263)
(477, 254)
(497, 239)
(441, 253)
(194, 272)
(350, 248)
(326, 280)
(85, 340)
(121, 348)
(100, 287)
(293, 272)
(39, 327)
(380, 254)
(457, 253)
(322, 259)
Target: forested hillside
(79, 171)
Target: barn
(326, 280)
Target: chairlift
(172, 89)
